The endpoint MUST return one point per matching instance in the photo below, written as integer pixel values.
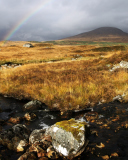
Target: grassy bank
(66, 83)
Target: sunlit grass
(68, 84)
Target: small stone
(114, 154)
(36, 136)
(20, 145)
(106, 157)
(94, 133)
(29, 116)
(51, 153)
(15, 120)
(100, 146)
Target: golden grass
(68, 84)
(16, 53)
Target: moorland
(65, 75)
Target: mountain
(107, 34)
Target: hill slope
(107, 34)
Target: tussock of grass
(68, 84)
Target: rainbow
(18, 25)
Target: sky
(43, 20)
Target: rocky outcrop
(69, 137)
(15, 138)
(33, 105)
(64, 139)
(119, 98)
(122, 65)
(9, 66)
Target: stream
(108, 125)
(13, 108)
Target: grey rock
(69, 138)
(36, 136)
(121, 65)
(33, 105)
(119, 98)
(28, 45)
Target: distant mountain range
(106, 34)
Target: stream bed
(108, 125)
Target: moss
(75, 127)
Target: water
(109, 121)
(13, 108)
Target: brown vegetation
(103, 34)
(67, 84)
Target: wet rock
(106, 157)
(36, 136)
(101, 145)
(30, 116)
(16, 138)
(19, 145)
(15, 120)
(40, 152)
(28, 156)
(69, 137)
(33, 105)
(114, 155)
(37, 145)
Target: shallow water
(13, 108)
(108, 124)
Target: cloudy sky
(41, 20)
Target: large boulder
(28, 45)
(69, 137)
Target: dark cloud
(58, 19)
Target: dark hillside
(107, 34)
